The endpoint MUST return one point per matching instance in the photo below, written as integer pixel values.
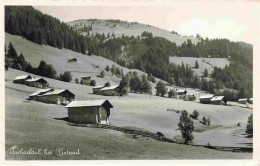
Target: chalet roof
(251, 99)
(40, 91)
(206, 97)
(242, 99)
(109, 88)
(88, 103)
(216, 98)
(56, 92)
(35, 79)
(22, 77)
(101, 86)
(181, 90)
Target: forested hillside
(146, 52)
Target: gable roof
(217, 98)
(207, 96)
(22, 77)
(88, 103)
(35, 79)
(41, 91)
(101, 86)
(56, 92)
(109, 88)
(181, 90)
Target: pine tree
(196, 64)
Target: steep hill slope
(128, 29)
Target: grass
(95, 144)
(202, 128)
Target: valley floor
(41, 126)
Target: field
(128, 29)
(41, 126)
(204, 63)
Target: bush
(102, 74)
(66, 76)
(107, 84)
(205, 121)
(195, 114)
(186, 126)
(123, 86)
(161, 89)
(172, 93)
(249, 127)
(107, 68)
(77, 81)
(92, 83)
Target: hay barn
(219, 100)
(206, 99)
(21, 79)
(34, 95)
(108, 91)
(89, 111)
(37, 82)
(61, 96)
(97, 88)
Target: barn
(61, 96)
(34, 95)
(108, 91)
(37, 82)
(219, 100)
(97, 88)
(72, 60)
(21, 79)
(181, 92)
(86, 78)
(89, 111)
(206, 99)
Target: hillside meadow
(135, 110)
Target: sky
(234, 21)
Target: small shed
(34, 95)
(21, 79)
(86, 78)
(219, 100)
(242, 101)
(108, 91)
(89, 111)
(61, 96)
(206, 99)
(37, 82)
(97, 88)
(72, 60)
(181, 92)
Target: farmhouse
(34, 95)
(181, 92)
(89, 111)
(61, 96)
(219, 100)
(97, 88)
(206, 99)
(108, 91)
(242, 101)
(37, 82)
(21, 79)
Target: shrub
(92, 83)
(205, 121)
(195, 114)
(107, 84)
(77, 81)
(107, 68)
(249, 127)
(66, 76)
(172, 93)
(123, 86)
(102, 74)
(186, 126)
(161, 89)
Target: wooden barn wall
(83, 114)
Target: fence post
(29, 117)
(36, 118)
